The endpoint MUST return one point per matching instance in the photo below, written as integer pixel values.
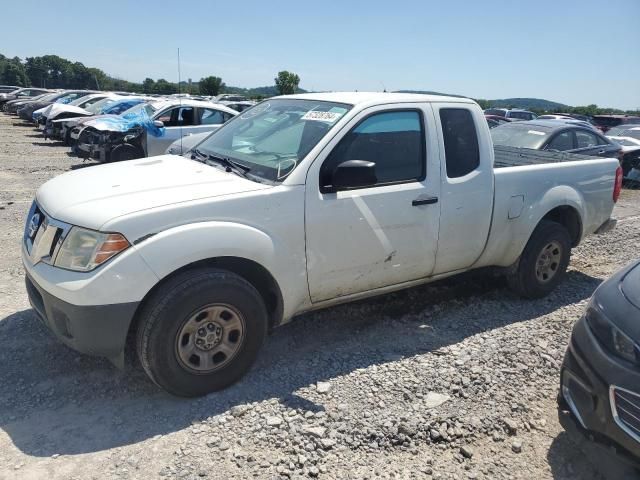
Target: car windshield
(271, 138)
(146, 107)
(519, 135)
(495, 111)
(100, 104)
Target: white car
(302, 202)
(148, 129)
(185, 144)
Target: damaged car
(148, 129)
(63, 127)
(21, 93)
(12, 106)
(66, 96)
(62, 110)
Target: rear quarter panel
(586, 186)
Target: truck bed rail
(517, 157)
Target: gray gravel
(456, 380)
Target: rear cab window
(460, 141)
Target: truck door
(385, 233)
(466, 154)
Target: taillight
(617, 188)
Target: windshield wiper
(230, 165)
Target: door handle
(600, 152)
(424, 201)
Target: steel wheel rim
(548, 262)
(210, 338)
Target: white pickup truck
(298, 203)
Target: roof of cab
(359, 98)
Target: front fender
(183, 245)
(176, 247)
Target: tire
(125, 152)
(550, 242)
(175, 307)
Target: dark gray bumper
(99, 330)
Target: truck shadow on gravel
(54, 401)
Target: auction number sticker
(330, 117)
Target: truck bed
(518, 157)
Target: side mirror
(158, 124)
(353, 174)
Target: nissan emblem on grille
(34, 223)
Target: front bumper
(99, 330)
(584, 403)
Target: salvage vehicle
(185, 144)
(12, 106)
(8, 88)
(299, 203)
(628, 137)
(62, 110)
(66, 96)
(599, 399)
(107, 106)
(21, 93)
(514, 114)
(149, 129)
(605, 122)
(555, 135)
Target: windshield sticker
(257, 110)
(536, 132)
(285, 167)
(330, 117)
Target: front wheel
(201, 331)
(544, 261)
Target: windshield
(147, 107)
(519, 135)
(97, 106)
(271, 138)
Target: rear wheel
(201, 331)
(543, 263)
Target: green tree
(148, 85)
(12, 72)
(211, 85)
(287, 82)
(163, 87)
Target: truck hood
(90, 197)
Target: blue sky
(571, 51)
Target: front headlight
(84, 250)
(614, 339)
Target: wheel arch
(569, 218)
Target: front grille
(43, 235)
(625, 406)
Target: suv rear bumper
(99, 330)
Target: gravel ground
(456, 380)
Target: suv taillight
(617, 187)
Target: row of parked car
(570, 133)
(115, 126)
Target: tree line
(52, 71)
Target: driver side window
(394, 141)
